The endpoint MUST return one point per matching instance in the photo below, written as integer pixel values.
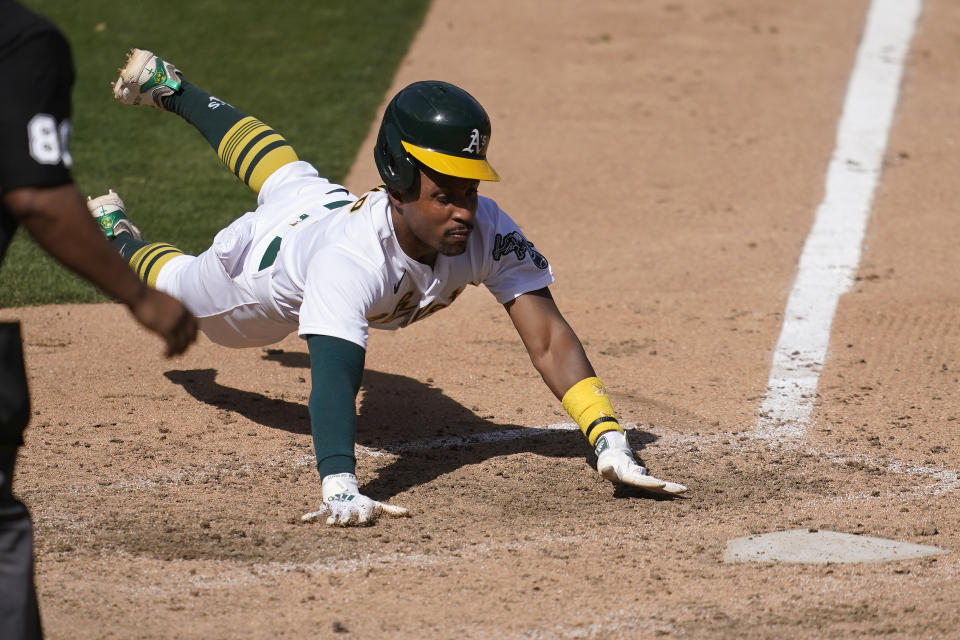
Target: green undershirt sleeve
(336, 369)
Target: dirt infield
(668, 158)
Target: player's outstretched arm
(246, 146)
(336, 368)
(558, 355)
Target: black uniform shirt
(36, 78)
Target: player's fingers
(674, 488)
(313, 515)
(636, 477)
(669, 488)
(366, 512)
(324, 510)
(393, 510)
(338, 518)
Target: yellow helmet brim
(471, 168)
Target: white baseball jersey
(315, 258)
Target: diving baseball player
(316, 259)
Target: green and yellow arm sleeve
(246, 146)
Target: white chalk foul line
(942, 480)
(831, 253)
(476, 438)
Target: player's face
(440, 220)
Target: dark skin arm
(554, 348)
(58, 220)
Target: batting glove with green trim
(344, 505)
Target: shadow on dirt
(264, 410)
(395, 414)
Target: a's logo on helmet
(476, 144)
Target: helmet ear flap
(398, 170)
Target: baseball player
(317, 259)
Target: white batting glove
(616, 463)
(344, 505)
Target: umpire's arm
(58, 220)
(554, 348)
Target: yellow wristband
(589, 405)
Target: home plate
(804, 545)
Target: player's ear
(412, 193)
(396, 197)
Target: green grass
(314, 70)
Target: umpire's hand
(166, 317)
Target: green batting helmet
(436, 124)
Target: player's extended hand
(167, 317)
(619, 465)
(344, 505)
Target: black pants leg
(19, 614)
